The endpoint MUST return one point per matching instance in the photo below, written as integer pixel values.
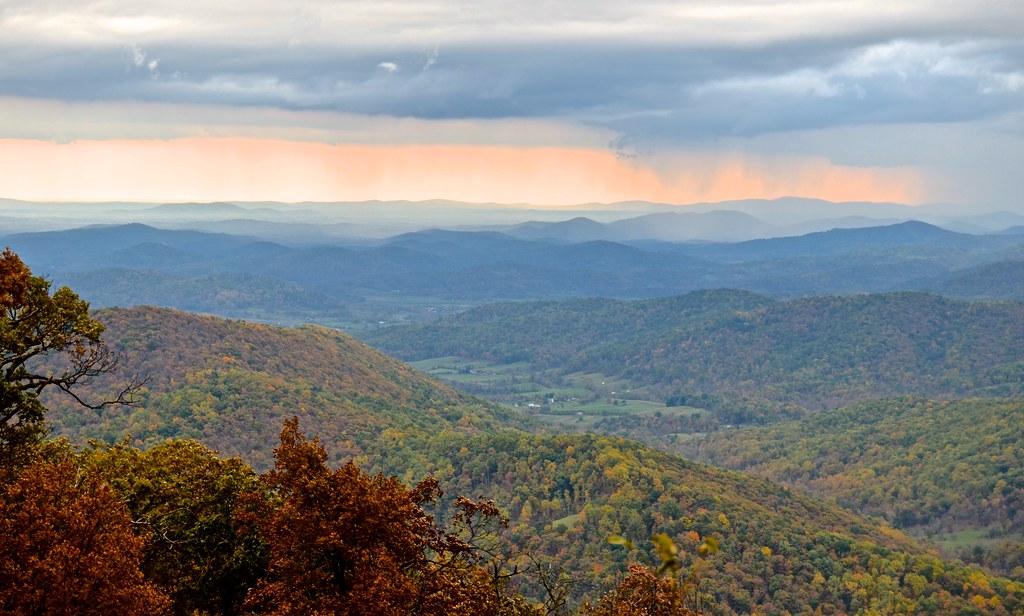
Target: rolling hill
(227, 294)
(579, 229)
(894, 458)
(781, 552)
(951, 469)
(201, 210)
(737, 352)
(901, 236)
(230, 384)
(716, 226)
(1001, 280)
(103, 246)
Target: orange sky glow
(244, 169)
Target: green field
(955, 543)
(520, 384)
(468, 371)
(568, 521)
(512, 384)
(617, 407)
(578, 402)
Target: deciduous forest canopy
(370, 516)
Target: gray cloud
(654, 74)
(643, 91)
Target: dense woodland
(551, 523)
(747, 356)
(1002, 280)
(930, 466)
(231, 385)
(780, 551)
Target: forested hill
(817, 352)
(552, 332)
(231, 384)
(947, 468)
(1002, 280)
(906, 235)
(781, 552)
(894, 458)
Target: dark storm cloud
(649, 85)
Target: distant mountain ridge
(726, 225)
(838, 241)
(784, 216)
(387, 280)
(230, 209)
(579, 229)
(719, 225)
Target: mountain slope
(895, 458)
(579, 229)
(817, 352)
(394, 276)
(231, 384)
(233, 295)
(99, 246)
(943, 467)
(910, 234)
(551, 332)
(1002, 280)
(781, 552)
(719, 226)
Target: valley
(577, 402)
(230, 384)
(847, 451)
(817, 423)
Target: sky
(549, 103)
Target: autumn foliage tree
(346, 543)
(642, 593)
(34, 325)
(68, 547)
(669, 590)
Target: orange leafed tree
(346, 543)
(67, 547)
(642, 593)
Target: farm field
(577, 402)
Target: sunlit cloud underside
(550, 103)
(210, 169)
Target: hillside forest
(157, 461)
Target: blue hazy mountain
(449, 267)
